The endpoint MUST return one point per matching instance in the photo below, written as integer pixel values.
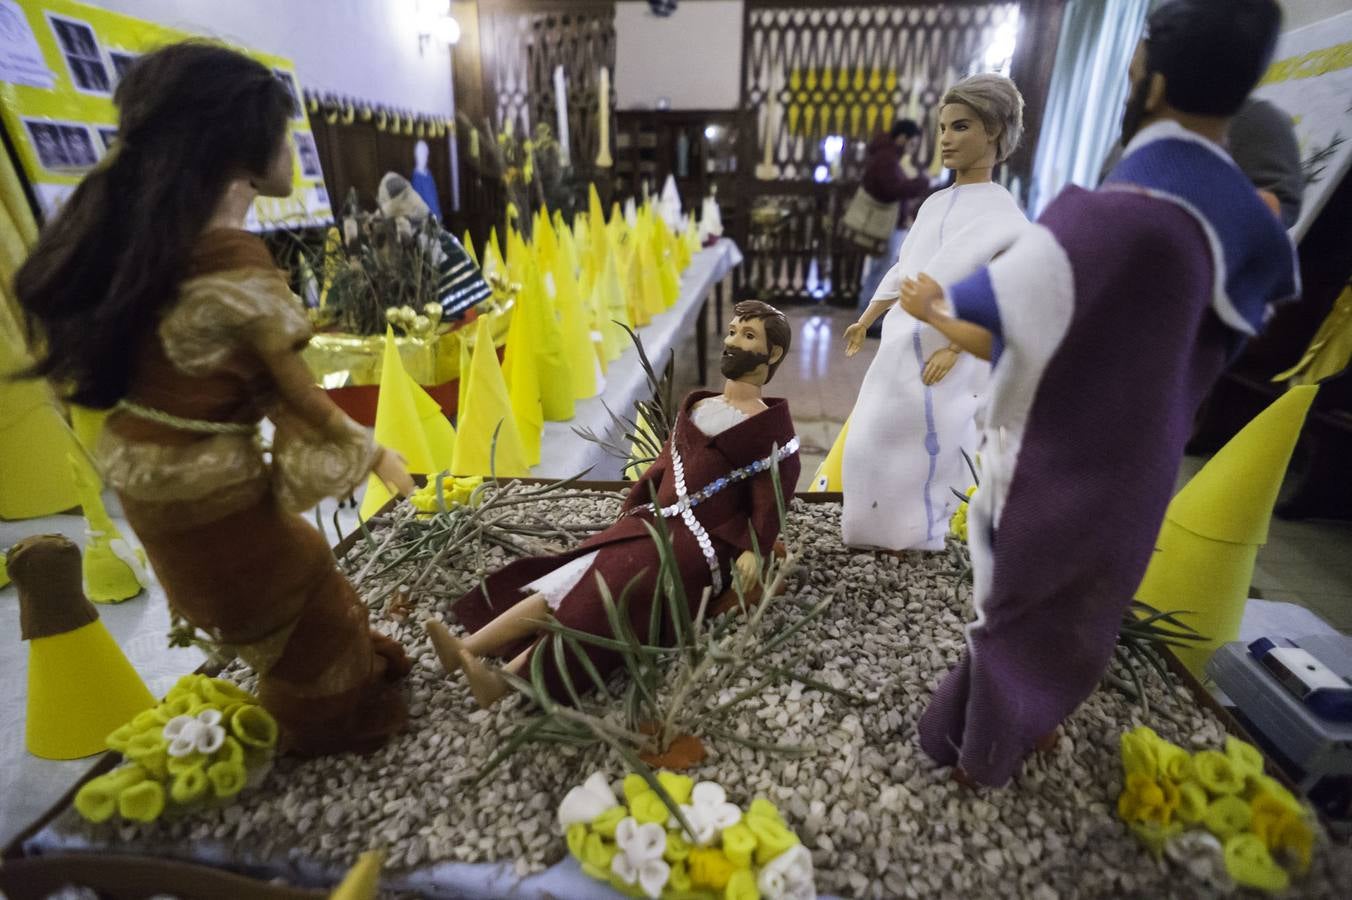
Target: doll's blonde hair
(997, 102)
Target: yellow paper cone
(575, 326)
(1214, 526)
(556, 381)
(828, 477)
(469, 248)
(487, 406)
(34, 441)
(80, 685)
(522, 378)
(362, 881)
(408, 421)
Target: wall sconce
(436, 25)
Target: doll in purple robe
(714, 488)
(1108, 322)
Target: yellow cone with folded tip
(521, 374)
(408, 421)
(828, 474)
(362, 881)
(113, 570)
(80, 685)
(469, 248)
(487, 409)
(1213, 528)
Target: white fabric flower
(708, 814)
(202, 733)
(639, 860)
(587, 801)
(1202, 855)
(788, 876)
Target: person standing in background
(892, 176)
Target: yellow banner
(61, 63)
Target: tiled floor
(1309, 563)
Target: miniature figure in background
(714, 488)
(1109, 321)
(151, 299)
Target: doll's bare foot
(1047, 743)
(485, 683)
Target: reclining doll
(715, 490)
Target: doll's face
(964, 141)
(277, 180)
(746, 354)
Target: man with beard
(713, 486)
(1108, 321)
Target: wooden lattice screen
(842, 72)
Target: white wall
(363, 48)
(692, 57)
(1305, 12)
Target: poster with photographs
(62, 61)
(62, 146)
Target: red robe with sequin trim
(733, 518)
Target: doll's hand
(938, 365)
(391, 469)
(854, 338)
(744, 571)
(920, 296)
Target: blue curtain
(1084, 102)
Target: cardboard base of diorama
(860, 640)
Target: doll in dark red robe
(715, 490)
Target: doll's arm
(923, 298)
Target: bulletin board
(60, 62)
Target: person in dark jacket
(891, 176)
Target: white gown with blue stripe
(903, 450)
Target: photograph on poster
(122, 62)
(107, 134)
(61, 146)
(83, 58)
(309, 155)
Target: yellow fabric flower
(648, 807)
(221, 693)
(1175, 763)
(710, 868)
(227, 779)
(597, 851)
(1155, 835)
(576, 836)
(120, 737)
(1147, 801)
(741, 886)
(189, 785)
(677, 849)
(176, 765)
(679, 879)
(254, 726)
(149, 720)
(1250, 865)
(1265, 785)
(678, 786)
(1227, 816)
(97, 798)
(606, 823)
(142, 802)
(773, 837)
(739, 844)
(1244, 756)
(232, 751)
(1138, 753)
(634, 784)
(182, 705)
(1282, 829)
(1192, 802)
(1217, 773)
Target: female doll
(903, 443)
(152, 300)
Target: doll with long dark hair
(151, 299)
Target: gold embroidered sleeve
(309, 463)
(218, 314)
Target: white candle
(561, 107)
(603, 159)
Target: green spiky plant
(1145, 630)
(642, 435)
